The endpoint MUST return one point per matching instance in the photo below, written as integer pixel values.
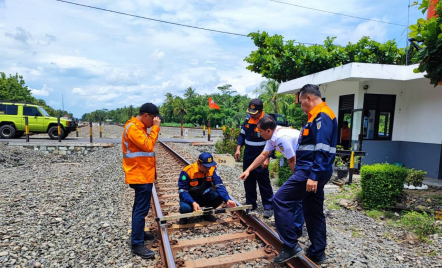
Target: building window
(378, 116)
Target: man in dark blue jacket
(315, 155)
(254, 143)
(200, 186)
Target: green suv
(12, 121)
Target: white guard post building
(394, 114)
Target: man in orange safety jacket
(139, 167)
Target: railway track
(234, 239)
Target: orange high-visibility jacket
(138, 155)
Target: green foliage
(284, 172)
(273, 169)
(13, 88)
(177, 125)
(430, 33)
(194, 108)
(283, 61)
(422, 224)
(415, 177)
(228, 144)
(382, 184)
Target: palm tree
(179, 107)
(190, 93)
(269, 93)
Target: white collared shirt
(285, 140)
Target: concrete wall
(68, 149)
(424, 156)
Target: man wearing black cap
(200, 186)
(255, 144)
(140, 170)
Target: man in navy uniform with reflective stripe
(200, 186)
(315, 155)
(254, 143)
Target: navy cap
(150, 108)
(255, 106)
(206, 159)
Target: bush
(284, 172)
(421, 224)
(229, 142)
(273, 169)
(415, 177)
(382, 184)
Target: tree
(284, 61)
(13, 88)
(226, 90)
(269, 94)
(430, 33)
(179, 107)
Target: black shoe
(183, 221)
(288, 253)
(210, 218)
(268, 213)
(143, 252)
(148, 236)
(318, 260)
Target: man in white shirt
(285, 140)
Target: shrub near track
(381, 185)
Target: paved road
(48, 141)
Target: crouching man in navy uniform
(315, 155)
(200, 186)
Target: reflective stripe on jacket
(317, 143)
(138, 155)
(250, 137)
(191, 178)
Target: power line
(163, 21)
(340, 14)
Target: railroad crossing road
(48, 141)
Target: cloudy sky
(99, 59)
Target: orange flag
(213, 105)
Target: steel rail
(262, 230)
(266, 234)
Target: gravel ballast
(64, 211)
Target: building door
(346, 106)
(356, 129)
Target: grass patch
(422, 224)
(381, 214)
(350, 192)
(355, 232)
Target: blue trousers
(143, 193)
(294, 190)
(298, 217)
(260, 176)
(210, 199)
